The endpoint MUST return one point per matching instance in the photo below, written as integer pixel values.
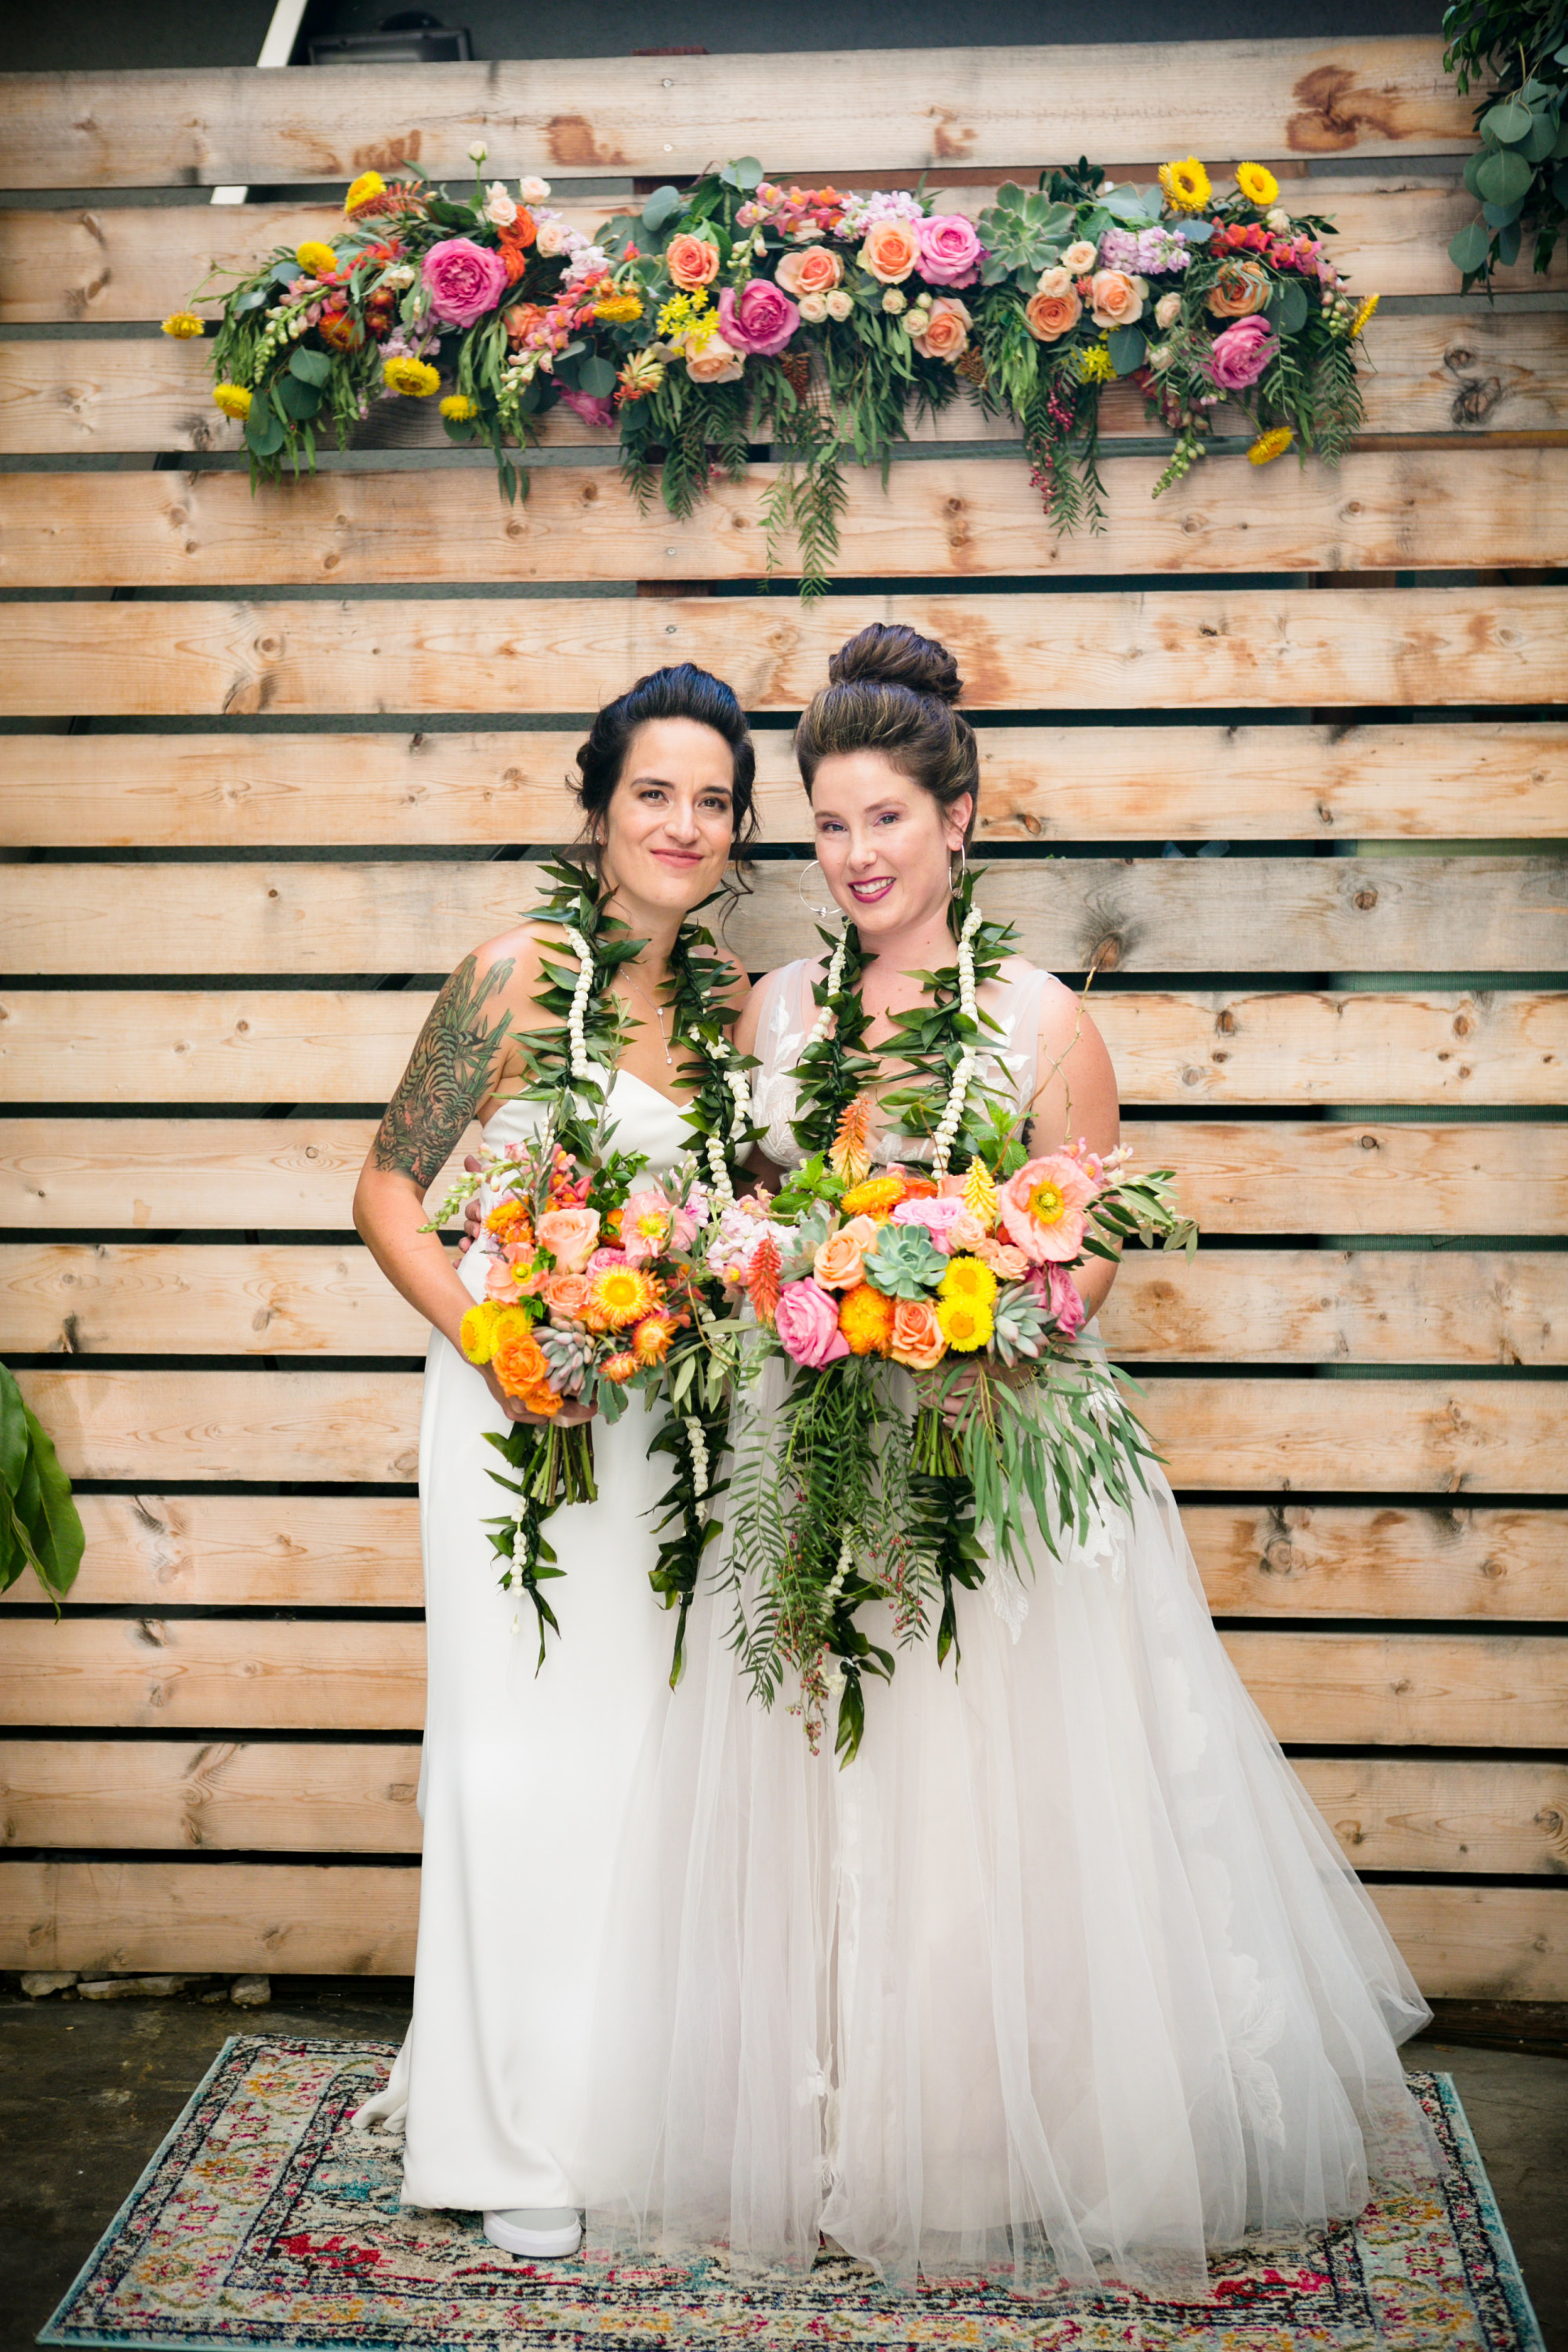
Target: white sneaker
(540, 2233)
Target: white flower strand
(577, 1019)
(952, 1112)
(723, 1191)
(698, 1445)
(832, 982)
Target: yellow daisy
(1186, 184)
(459, 408)
(619, 1294)
(365, 190)
(966, 1324)
(967, 1278)
(618, 309)
(1258, 186)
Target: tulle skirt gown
(526, 1779)
(1063, 1980)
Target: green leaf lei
(570, 1067)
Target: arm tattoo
(447, 1078)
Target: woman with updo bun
(1062, 1980)
(527, 1775)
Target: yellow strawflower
(866, 1319)
(316, 260)
(874, 1198)
(459, 408)
(967, 1278)
(1258, 186)
(1186, 184)
(185, 325)
(618, 309)
(1094, 366)
(233, 399)
(479, 1332)
(1363, 314)
(966, 1324)
(619, 1294)
(365, 190)
(981, 1197)
(1269, 446)
(418, 378)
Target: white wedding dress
(526, 1779)
(1063, 1980)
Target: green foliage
(1519, 175)
(40, 1527)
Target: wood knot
(1366, 900)
(1475, 400)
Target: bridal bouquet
(590, 1274)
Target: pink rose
(1043, 1208)
(1239, 354)
(815, 269)
(951, 253)
(463, 280)
(569, 1234)
(938, 1217)
(760, 319)
(1053, 1288)
(593, 408)
(806, 1320)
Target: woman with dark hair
(1062, 1979)
(525, 1778)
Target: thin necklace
(657, 1011)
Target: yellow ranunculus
(458, 408)
(185, 326)
(1186, 184)
(1258, 186)
(233, 399)
(365, 190)
(418, 378)
(316, 260)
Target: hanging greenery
(1518, 174)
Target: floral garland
(566, 1065)
(738, 310)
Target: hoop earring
(832, 912)
(954, 881)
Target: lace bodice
(789, 1015)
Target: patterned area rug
(263, 2220)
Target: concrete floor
(86, 2091)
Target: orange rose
(840, 1263)
(1240, 290)
(890, 251)
(520, 320)
(947, 337)
(520, 1362)
(809, 269)
(1114, 300)
(1050, 317)
(917, 1341)
(691, 261)
(571, 1235)
(566, 1296)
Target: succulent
(1024, 231)
(567, 1353)
(905, 1262)
(1020, 1326)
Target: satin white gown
(1063, 1980)
(526, 1779)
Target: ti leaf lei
(570, 1066)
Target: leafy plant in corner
(40, 1527)
(1518, 174)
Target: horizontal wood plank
(300, 1796)
(1155, 914)
(348, 1919)
(1255, 1177)
(1216, 1048)
(1201, 649)
(1243, 1307)
(1475, 373)
(971, 518)
(1445, 782)
(802, 112)
(1407, 1690)
(1284, 1559)
(1358, 1436)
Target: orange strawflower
(876, 1197)
(619, 1368)
(510, 1221)
(619, 1294)
(652, 1336)
(866, 1319)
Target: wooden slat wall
(247, 824)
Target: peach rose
(890, 251)
(840, 1263)
(811, 270)
(712, 360)
(965, 1235)
(571, 1235)
(1054, 281)
(1007, 1264)
(1114, 300)
(691, 261)
(1080, 258)
(566, 1296)
(1050, 317)
(917, 1341)
(1240, 290)
(947, 333)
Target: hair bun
(892, 654)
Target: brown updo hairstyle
(893, 691)
(681, 691)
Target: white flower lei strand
(832, 981)
(740, 1118)
(576, 1019)
(835, 1681)
(698, 1445)
(952, 1113)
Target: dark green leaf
(1543, 139)
(1288, 308)
(1127, 346)
(1468, 251)
(296, 399)
(55, 1525)
(1508, 240)
(1499, 215)
(1503, 177)
(310, 366)
(13, 1432)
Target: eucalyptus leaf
(1127, 346)
(284, 273)
(1197, 232)
(1473, 162)
(13, 1431)
(251, 300)
(1508, 244)
(748, 173)
(310, 366)
(1468, 250)
(661, 206)
(264, 427)
(296, 400)
(1506, 124)
(1288, 308)
(1503, 177)
(1543, 139)
(1500, 216)
(596, 376)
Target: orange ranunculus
(1240, 290)
(1050, 317)
(890, 251)
(916, 1340)
(866, 1319)
(571, 1235)
(840, 1263)
(520, 1362)
(691, 261)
